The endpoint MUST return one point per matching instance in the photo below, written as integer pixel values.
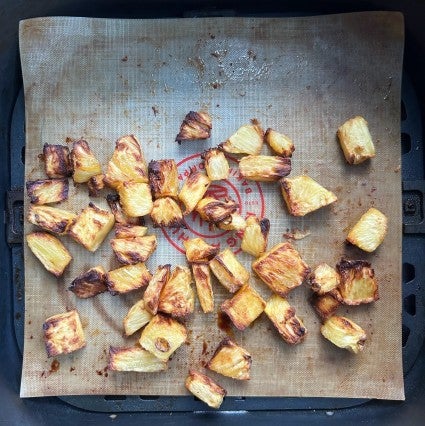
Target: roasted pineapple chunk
(91, 227)
(63, 333)
(198, 251)
(84, 162)
(303, 195)
(213, 210)
(194, 188)
(120, 216)
(283, 317)
(234, 222)
(355, 140)
(279, 143)
(130, 231)
(154, 288)
(281, 268)
(47, 191)
(255, 236)
(216, 164)
(325, 305)
(134, 359)
(133, 250)
(163, 178)
(167, 213)
(127, 278)
(127, 163)
(231, 360)
(344, 333)
(95, 184)
(49, 251)
(324, 279)
(369, 232)
(204, 388)
(57, 163)
(244, 307)
(89, 283)
(135, 198)
(248, 139)
(202, 277)
(162, 336)
(50, 218)
(137, 317)
(229, 271)
(196, 125)
(177, 297)
(264, 168)
(358, 284)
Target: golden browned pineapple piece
(130, 231)
(213, 210)
(133, 250)
(323, 279)
(194, 188)
(50, 218)
(202, 277)
(57, 163)
(344, 333)
(167, 213)
(196, 125)
(135, 198)
(127, 163)
(120, 216)
(216, 164)
(255, 236)
(231, 360)
(95, 184)
(84, 162)
(358, 284)
(47, 191)
(162, 336)
(279, 143)
(234, 222)
(163, 178)
(281, 268)
(177, 296)
(91, 227)
(127, 278)
(63, 333)
(229, 271)
(369, 232)
(283, 317)
(247, 139)
(198, 251)
(303, 195)
(49, 251)
(134, 359)
(204, 388)
(264, 168)
(154, 288)
(137, 317)
(244, 307)
(355, 140)
(89, 283)
(325, 305)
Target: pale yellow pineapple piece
(264, 168)
(129, 231)
(204, 388)
(163, 178)
(134, 359)
(154, 288)
(47, 191)
(135, 198)
(128, 278)
(202, 276)
(248, 139)
(194, 188)
(137, 317)
(84, 162)
(134, 250)
(167, 213)
(255, 236)
(324, 279)
(198, 251)
(51, 218)
(216, 164)
(279, 143)
(234, 222)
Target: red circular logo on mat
(247, 194)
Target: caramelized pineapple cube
(281, 268)
(229, 271)
(130, 231)
(283, 317)
(264, 168)
(216, 164)
(234, 222)
(167, 213)
(198, 251)
(162, 336)
(325, 305)
(95, 184)
(91, 227)
(202, 277)
(127, 278)
(344, 333)
(63, 333)
(355, 140)
(49, 251)
(134, 359)
(255, 236)
(120, 216)
(135, 198)
(154, 288)
(303, 195)
(134, 250)
(84, 162)
(196, 125)
(279, 143)
(137, 317)
(248, 139)
(369, 232)
(231, 360)
(204, 388)
(213, 210)
(56, 161)
(194, 188)
(324, 279)
(89, 283)
(163, 178)
(50, 218)
(47, 191)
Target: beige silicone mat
(100, 79)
